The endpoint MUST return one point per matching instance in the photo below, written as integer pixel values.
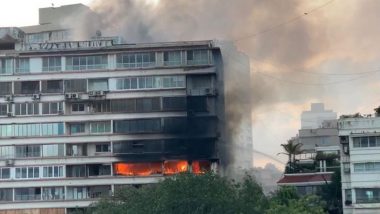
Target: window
(99, 170)
(52, 108)
(76, 150)
(367, 195)
(5, 88)
(76, 63)
(3, 109)
(98, 85)
(367, 167)
(101, 106)
(6, 66)
(148, 104)
(28, 151)
(104, 147)
(52, 171)
(348, 194)
(76, 171)
(52, 86)
(172, 58)
(53, 193)
(30, 130)
(135, 60)
(26, 108)
(28, 194)
(6, 194)
(150, 82)
(138, 126)
(5, 173)
(51, 63)
(28, 87)
(76, 85)
(77, 128)
(174, 103)
(77, 107)
(197, 57)
(22, 65)
(27, 172)
(7, 152)
(368, 141)
(124, 105)
(35, 38)
(53, 150)
(100, 127)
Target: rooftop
(306, 178)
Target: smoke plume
(289, 61)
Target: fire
(138, 169)
(200, 167)
(174, 167)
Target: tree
(291, 150)
(286, 200)
(199, 194)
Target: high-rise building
(360, 163)
(314, 118)
(80, 119)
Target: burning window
(200, 167)
(175, 167)
(138, 169)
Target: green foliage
(199, 194)
(332, 193)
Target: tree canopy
(207, 193)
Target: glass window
(53, 150)
(53, 193)
(77, 107)
(5, 173)
(26, 109)
(104, 147)
(3, 109)
(100, 127)
(76, 85)
(27, 194)
(135, 60)
(5, 88)
(172, 58)
(77, 128)
(367, 195)
(138, 126)
(86, 62)
(197, 57)
(28, 151)
(27, 172)
(149, 82)
(52, 86)
(6, 66)
(6, 194)
(98, 85)
(52, 108)
(7, 152)
(22, 65)
(51, 63)
(52, 171)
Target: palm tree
(291, 150)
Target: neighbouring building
(314, 118)
(360, 163)
(80, 119)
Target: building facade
(80, 119)
(314, 118)
(360, 163)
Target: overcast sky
(317, 57)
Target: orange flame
(174, 167)
(200, 167)
(138, 169)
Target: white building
(360, 164)
(79, 119)
(314, 118)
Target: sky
(300, 51)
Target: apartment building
(80, 119)
(360, 163)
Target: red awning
(305, 178)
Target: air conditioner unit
(36, 96)
(9, 162)
(91, 93)
(210, 91)
(9, 98)
(67, 96)
(9, 114)
(74, 96)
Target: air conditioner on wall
(91, 93)
(36, 96)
